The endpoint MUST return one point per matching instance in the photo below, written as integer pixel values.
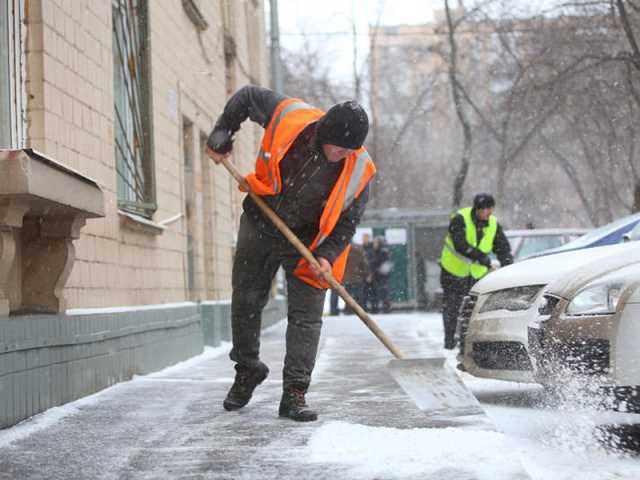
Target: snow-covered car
(496, 314)
(525, 243)
(609, 234)
(588, 324)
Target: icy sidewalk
(172, 425)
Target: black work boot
(247, 379)
(294, 406)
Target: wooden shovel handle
(307, 255)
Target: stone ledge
(43, 207)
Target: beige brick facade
(70, 94)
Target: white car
(588, 328)
(502, 304)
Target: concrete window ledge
(140, 224)
(43, 207)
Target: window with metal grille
(132, 126)
(5, 113)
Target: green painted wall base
(50, 360)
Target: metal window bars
(5, 78)
(131, 107)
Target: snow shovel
(433, 386)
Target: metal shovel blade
(434, 386)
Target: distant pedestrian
(334, 306)
(355, 275)
(381, 267)
(474, 232)
(367, 246)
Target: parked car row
(574, 310)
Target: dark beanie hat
(345, 125)
(483, 200)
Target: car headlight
(598, 299)
(512, 299)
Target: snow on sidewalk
(171, 424)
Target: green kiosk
(414, 238)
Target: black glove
(220, 140)
(485, 260)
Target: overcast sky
(298, 16)
(328, 23)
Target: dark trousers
(380, 294)
(357, 291)
(368, 296)
(258, 257)
(454, 290)
(333, 302)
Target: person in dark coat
(473, 234)
(313, 172)
(355, 275)
(381, 268)
(367, 246)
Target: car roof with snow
(533, 232)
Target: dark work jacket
(501, 245)
(380, 256)
(357, 269)
(307, 176)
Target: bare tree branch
(465, 159)
(624, 19)
(572, 175)
(411, 117)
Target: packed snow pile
(442, 453)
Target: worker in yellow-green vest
(474, 233)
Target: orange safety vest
(290, 118)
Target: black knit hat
(345, 125)
(483, 200)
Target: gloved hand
(220, 141)
(485, 261)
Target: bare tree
(634, 59)
(465, 158)
(307, 75)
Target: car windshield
(531, 245)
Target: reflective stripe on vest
(357, 172)
(290, 118)
(459, 265)
(265, 149)
(353, 187)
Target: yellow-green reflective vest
(457, 264)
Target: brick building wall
(70, 117)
